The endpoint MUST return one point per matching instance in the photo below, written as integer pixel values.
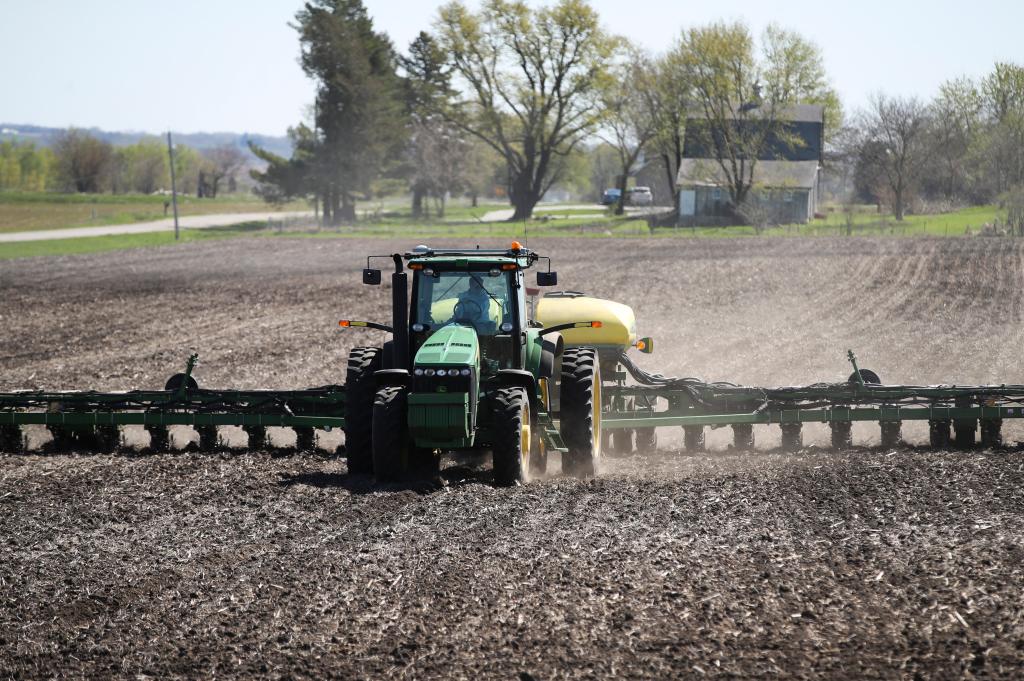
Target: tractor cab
(482, 295)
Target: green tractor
(468, 369)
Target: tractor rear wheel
(390, 432)
(513, 438)
(581, 412)
(360, 390)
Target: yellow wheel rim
(525, 437)
(597, 415)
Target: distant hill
(44, 136)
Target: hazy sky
(231, 65)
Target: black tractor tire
(580, 419)
(390, 433)
(360, 391)
(512, 460)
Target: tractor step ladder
(550, 434)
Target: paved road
(167, 224)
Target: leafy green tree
(359, 122)
(743, 98)
(1003, 96)
(956, 115)
(532, 78)
(285, 179)
(148, 166)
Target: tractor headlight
(465, 372)
(506, 327)
(417, 372)
(441, 372)
(429, 372)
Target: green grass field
(461, 222)
(31, 211)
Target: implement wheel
(175, 381)
(743, 437)
(693, 438)
(360, 391)
(869, 376)
(938, 434)
(513, 438)
(646, 440)
(842, 434)
(12, 440)
(159, 438)
(581, 412)
(622, 441)
(107, 438)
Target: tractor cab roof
(515, 257)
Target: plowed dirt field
(868, 563)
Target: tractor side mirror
(371, 277)
(547, 278)
(645, 345)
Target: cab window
(478, 299)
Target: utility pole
(174, 187)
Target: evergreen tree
(359, 122)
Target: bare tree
(224, 162)
(895, 146)
(673, 98)
(83, 162)
(956, 116)
(532, 78)
(631, 119)
(440, 150)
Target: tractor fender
(520, 378)
(393, 378)
(551, 350)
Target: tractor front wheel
(390, 434)
(513, 440)
(581, 412)
(360, 391)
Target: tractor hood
(451, 345)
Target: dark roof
(799, 135)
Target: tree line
(513, 100)
(524, 99)
(965, 146)
(79, 162)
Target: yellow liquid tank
(618, 323)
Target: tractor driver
(474, 304)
